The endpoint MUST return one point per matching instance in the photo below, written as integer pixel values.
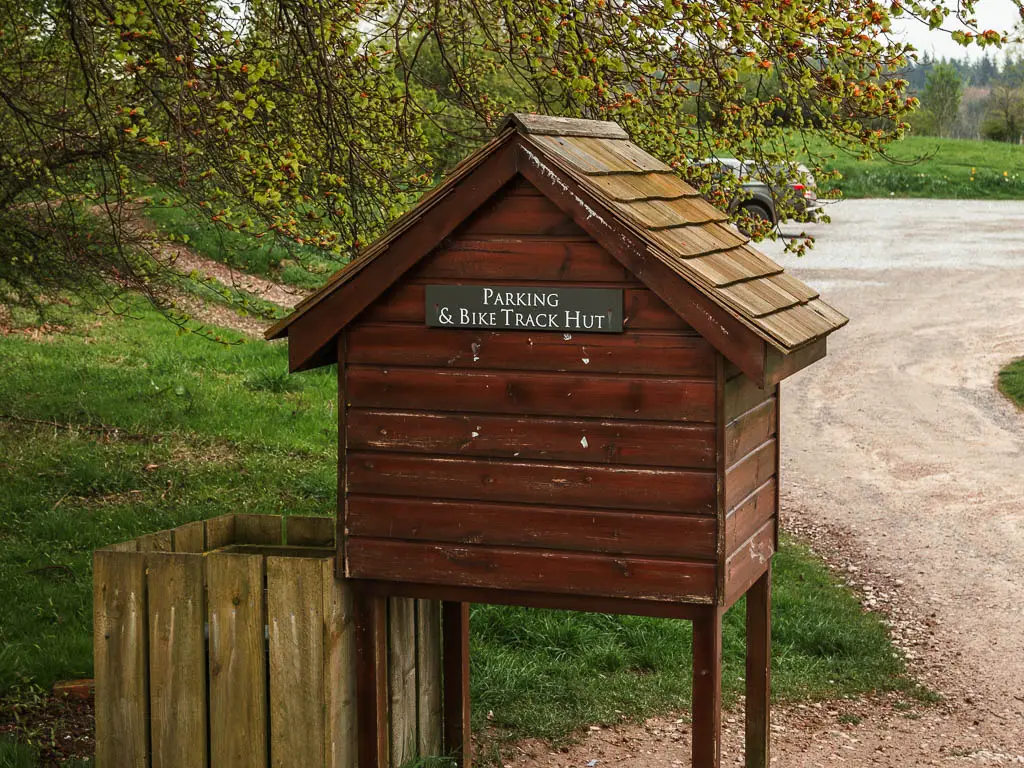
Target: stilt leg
(707, 690)
(759, 655)
(371, 680)
(455, 648)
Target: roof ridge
(550, 125)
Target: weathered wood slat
(545, 439)
(511, 215)
(295, 626)
(402, 679)
(238, 677)
(585, 485)
(531, 570)
(161, 541)
(627, 353)
(746, 432)
(582, 530)
(428, 677)
(301, 531)
(537, 394)
(750, 561)
(565, 126)
(339, 670)
(643, 311)
(749, 516)
(119, 648)
(749, 473)
(257, 529)
(190, 537)
(177, 660)
(220, 531)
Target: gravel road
(899, 446)
(900, 436)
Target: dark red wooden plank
(749, 473)
(546, 439)
(531, 570)
(744, 433)
(759, 672)
(742, 394)
(573, 485)
(661, 354)
(642, 309)
(744, 521)
(690, 537)
(750, 560)
(519, 214)
(561, 260)
(456, 742)
(535, 394)
(778, 365)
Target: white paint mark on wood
(584, 442)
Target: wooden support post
(371, 679)
(759, 656)
(707, 690)
(455, 645)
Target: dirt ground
(905, 468)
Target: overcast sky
(992, 14)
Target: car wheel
(755, 212)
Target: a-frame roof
(656, 224)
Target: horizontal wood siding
(584, 485)
(658, 354)
(527, 525)
(751, 481)
(532, 393)
(546, 439)
(576, 463)
(533, 570)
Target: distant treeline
(986, 71)
(960, 98)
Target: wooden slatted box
(229, 643)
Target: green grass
(1011, 382)
(299, 266)
(164, 429)
(547, 673)
(947, 168)
(118, 426)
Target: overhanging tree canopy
(315, 123)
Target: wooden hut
(559, 386)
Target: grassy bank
(927, 166)
(1011, 382)
(112, 427)
(297, 266)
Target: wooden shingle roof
(600, 171)
(693, 237)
